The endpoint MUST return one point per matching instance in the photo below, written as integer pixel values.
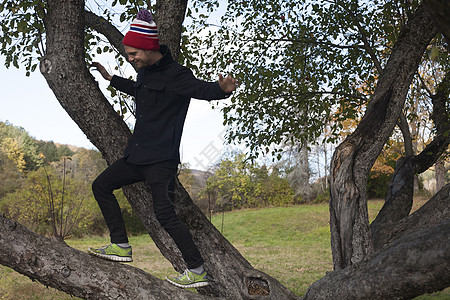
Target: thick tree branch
(435, 211)
(169, 15)
(399, 198)
(102, 26)
(76, 272)
(353, 159)
(415, 264)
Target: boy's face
(141, 58)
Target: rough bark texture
(65, 71)
(439, 175)
(353, 158)
(408, 267)
(55, 264)
(399, 198)
(169, 15)
(435, 211)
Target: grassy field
(291, 244)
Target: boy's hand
(102, 70)
(227, 84)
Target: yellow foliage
(14, 152)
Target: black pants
(160, 176)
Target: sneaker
(113, 252)
(189, 279)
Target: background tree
(21, 146)
(10, 175)
(237, 183)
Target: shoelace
(186, 273)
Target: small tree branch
(402, 123)
(367, 46)
(311, 41)
(102, 26)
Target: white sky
(28, 102)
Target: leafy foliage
(303, 65)
(10, 175)
(236, 183)
(45, 203)
(22, 29)
(20, 147)
(52, 152)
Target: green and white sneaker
(189, 279)
(113, 252)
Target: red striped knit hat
(143, 33)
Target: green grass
(291, 244)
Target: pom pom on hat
(143, 33)
(144, 15)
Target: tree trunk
(399, 198)
(169, 15)
(351, 163)
(410, 266)
(65, 70)
(304, 173)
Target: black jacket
(162, 93)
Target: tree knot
(45, 66)
(65, 272)
(257, 286)
(30, 257)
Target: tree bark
(439, 173)
(169, 15)
(65, 70)
(53, 263)
(399, 199)
(412, 265)
(351, 163)
(434, 211)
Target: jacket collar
(164, 61)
